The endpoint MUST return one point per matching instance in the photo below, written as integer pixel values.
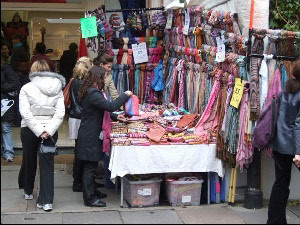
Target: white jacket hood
(48, 83)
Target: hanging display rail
(277, 57)
(132, 10)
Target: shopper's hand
(296, 160)
(45, 135)
(128, 93)
(122, 118)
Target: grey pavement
(69, 208)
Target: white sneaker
(27, 197)
(9, 159)
(47, 207)
(39, 206)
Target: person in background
(42, 109)
(20, 57)
(40, 50)
(104, 60)
(95, 107)
(5, 51)
(68, 61)
(10, 87)
(286, 146)
(80, 70)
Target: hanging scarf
(181, 84)
(275, 87)
(284, 76)
(106, 130)
(263, 81)
(244, 151)
(201, 101)
(258, 48)
(206, 127)
(221, 154)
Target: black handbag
(44, 149)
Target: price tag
(88, 27)
(186, 24)
(237, 93)
(186, 199)
(170, 20)
(140, 53)
(140, 192)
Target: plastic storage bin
(141, 193)
(184, 192)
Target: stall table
(164, 159)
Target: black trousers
(88, 181)
(77, 169)
(30, 144)
(280, 190)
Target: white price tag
(220, 56)
(170, 20)
(140, 53)
(186, 24)
(147, 192)
(186, 199)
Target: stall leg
(116, 185)
(208, 188)
(122, 189)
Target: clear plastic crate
(141, 193)
(184, 192)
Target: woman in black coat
(10, 87)
(89, 145)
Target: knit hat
(139, 23)
(145, 23)
(115, 21)
(161, 19)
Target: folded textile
(155, 133)
(186, 120)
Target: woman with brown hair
(286, 146)
(89, 146)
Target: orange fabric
(198, 37)
(155, 133)
(186, 120)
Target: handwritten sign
(89, 27)
(237, 93)
(170, 20)
(140, 54)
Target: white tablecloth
(164, 159)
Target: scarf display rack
(135, 10)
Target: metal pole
(122, 192)
(254, 196)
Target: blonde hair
(39, 66)
(82, 66)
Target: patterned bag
(132, 106)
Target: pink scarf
(106, 129)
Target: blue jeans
(7, 143)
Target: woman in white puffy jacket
(42, 110)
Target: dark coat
(39, 57)
(75, 107)
(19, 55)
(287, 136)
(67, 64)
(89, 146)
(9, 83)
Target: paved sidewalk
(69, 208)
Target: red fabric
(106, 129)
(186, 120)
(82, 48)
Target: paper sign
(237, 93)
(220, 56)
(170, 20)
(147, 192)
(186, 24)
(186, 199)
(144, 192)
(140, 53)
(89, 27)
